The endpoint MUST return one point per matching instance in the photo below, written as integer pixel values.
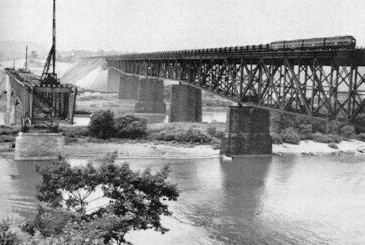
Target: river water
(278, 200)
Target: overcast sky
(150, 25)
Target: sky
(152, 25)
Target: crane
(50, 78)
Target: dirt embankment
(87, 74)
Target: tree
(7, 237)
(102, 124)
(136, 199)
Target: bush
(47, 221)
(318, 125)
(7, 237)
(102, 124)
(333, 145)
(331, 138)
(277, 139)
(211, 131)
(361, 136)
(305, 131)
(291, 136)
(219, 134)
(332, 127)
(182, 135)
(348, 131)
(130, 127)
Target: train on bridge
(300, 45)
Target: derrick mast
(50, 78)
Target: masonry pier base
(150, 96)
(113, 80)
(247, 132)
(128, 88)
(38, 146)
(186, 104)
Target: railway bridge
(39, 106)
(323, 83)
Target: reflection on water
(18, 182)
(278, 200)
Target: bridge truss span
(326, 84)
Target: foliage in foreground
(135, 202)
(7, 237)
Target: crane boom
(47, 77)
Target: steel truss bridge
(318, 83)
(40, 106)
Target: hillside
(87, 74)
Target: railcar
(339, 42)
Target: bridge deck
(327, 57)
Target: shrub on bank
(291, 136)
(305, 131)
(332, 127)
(212, 131)
(333, 145)
(277, 138)
(191, 135)
(102, 124)
(361, 136)
(323, 138)
(348, 131)
(130, 127)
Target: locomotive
(339, 42)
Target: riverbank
(133, 149)
(79, 145)
(137, 149)
(309, 147)
(162, 150)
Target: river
(278, 200)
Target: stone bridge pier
(186, 104)
(128, 88)
(247, 132)
(113, 80)
(150, 96)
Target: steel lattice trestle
(326, 84)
